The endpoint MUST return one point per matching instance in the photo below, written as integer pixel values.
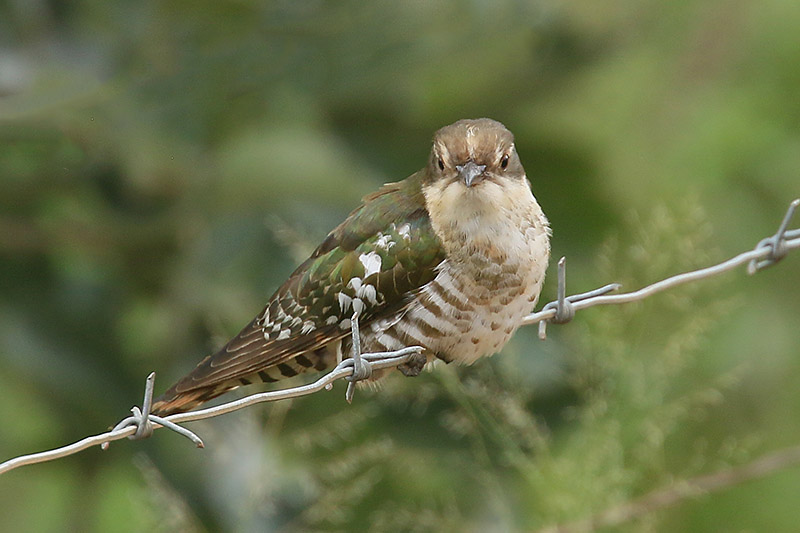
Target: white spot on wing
(368, 292)
(345, 324)
(332, 320)
(405, 231)
(344, 302)
(358, 305)
(308, 327)
(355, 283)
(372, 263)
(384, 242)
(284, 335)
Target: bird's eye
(504, 161)
(441, 164)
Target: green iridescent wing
(374, 261)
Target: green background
(165, 165)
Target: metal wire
(343, 370)
(141, 424)
(766, 253)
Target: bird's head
(473, 151)
(474, 185)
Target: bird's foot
(414, 365)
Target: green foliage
(164, 166)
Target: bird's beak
(470, 173)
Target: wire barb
(776, 243)
(143, 421)
(361, 368)
(564, 310)
(144, 429)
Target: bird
(451, 259)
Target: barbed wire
(142, 423)
(767, 252)
(360, 366)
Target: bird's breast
(479, 296)
(480, 302)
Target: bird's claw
(414, 366)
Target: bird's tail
(196, 388)
(172, 401)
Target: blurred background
(165, 165)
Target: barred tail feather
(195, 389)
(172, 402)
